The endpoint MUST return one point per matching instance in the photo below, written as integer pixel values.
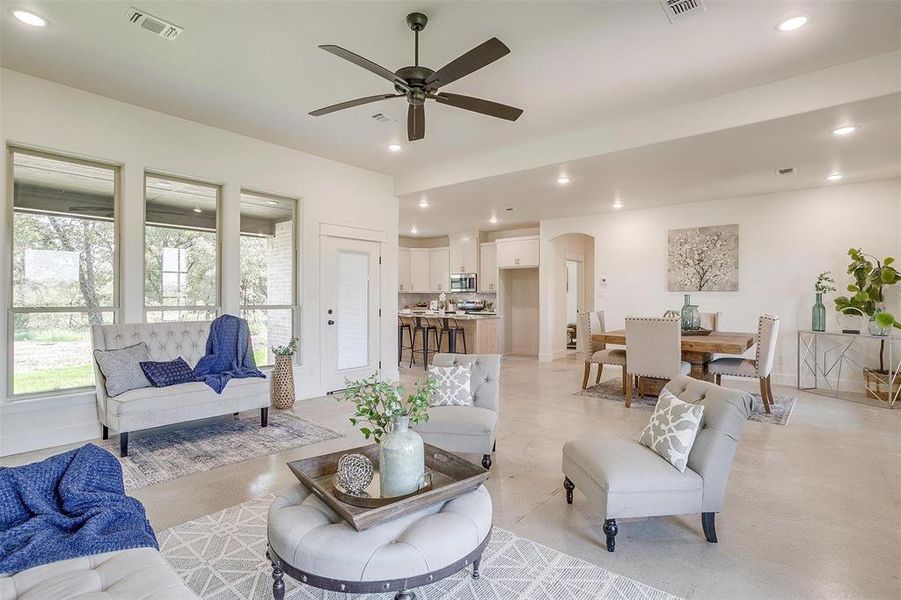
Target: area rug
(223, 557)
(155, 457)
(780, 410)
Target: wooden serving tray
(452, 476)
(700, 331)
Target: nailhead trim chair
(655, 350)
(596, 352)
(624, 479)
(761, 368)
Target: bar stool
(453, 329)
(425, 330)
(404, 324)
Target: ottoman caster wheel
(405, 595)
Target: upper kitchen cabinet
(439, 269)
(420, 280)
(517, 253)
(488, 267)
(404, 271)
(464, 253)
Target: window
(268, 266)
(181, 249)
(64, 268)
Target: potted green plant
(283, 375)
(384, 413)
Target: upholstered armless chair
(467, 429)
(761, 367)
(624, 479)
(594, 352)
(655, 350)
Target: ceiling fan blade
(415, 122)
(481, 56)
(486, 107)
(366, 64)
(351, 103)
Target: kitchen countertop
(439, 315)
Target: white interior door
(350, 310)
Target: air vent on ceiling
(677, 10)
(384, 117)
(154, 25)
(785, 171)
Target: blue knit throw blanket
(228, 353)
(69, 505)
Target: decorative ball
(354, 473)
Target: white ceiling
(253, 66)
(728, 163)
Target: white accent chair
(597, 353)
(761, 367)
(148, 407)
(655, 350)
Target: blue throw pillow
(162, 374)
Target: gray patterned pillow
(672, 430)
(453, 386)
(122, 368)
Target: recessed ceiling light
(834, 176)
(394, 147)
(198, 210)
(792, 23)
(563, 180)
(272, 202)
(617, 204)
(413, 230)
(493, 220)
(29, 18)
(844, 130)
(423, 203)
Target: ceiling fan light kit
(418, 83)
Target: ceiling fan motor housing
(417, 21)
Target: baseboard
(17, 443)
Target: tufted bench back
(485, 377)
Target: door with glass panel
(350, 310)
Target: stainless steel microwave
(463, 282)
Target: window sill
(74, 398)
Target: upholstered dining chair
(655, 350)
(467, 429)
(596, 353)
(623, 479)
(761, 367)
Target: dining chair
(714, 321)
(596, 352)
(655, 350)
(761, 367)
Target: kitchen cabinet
(420, 279)
(488, 267)
(521, 252)
(439, 269)
(464, 253)
(404, 271)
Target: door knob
(330, 322)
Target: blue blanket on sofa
(228, 353)
(69, 505)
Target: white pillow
(453, 386)
(672, 429)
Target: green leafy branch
(290, 349)
(378, 402)
(870, 277)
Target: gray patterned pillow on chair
(672, 430)
(453, 386)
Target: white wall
(40, 114)
(786, 240)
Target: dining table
(697, 350)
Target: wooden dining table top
(722, 342)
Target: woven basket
(283, 382)
(877, 383)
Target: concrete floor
(812, 509)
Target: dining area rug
(158, 455)
(222, 556)
(612, 390)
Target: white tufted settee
(154, 407)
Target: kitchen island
(480, 328)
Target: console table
(822, 356)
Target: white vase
(401, 460)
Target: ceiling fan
(418, 84)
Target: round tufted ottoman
(315, 546)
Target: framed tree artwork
(703, 259)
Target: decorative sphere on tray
(354, 472)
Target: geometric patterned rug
(223, 557)
(155, 457)
(780, 409)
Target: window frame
(215, 309)
(294, 307)
(115, 309)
